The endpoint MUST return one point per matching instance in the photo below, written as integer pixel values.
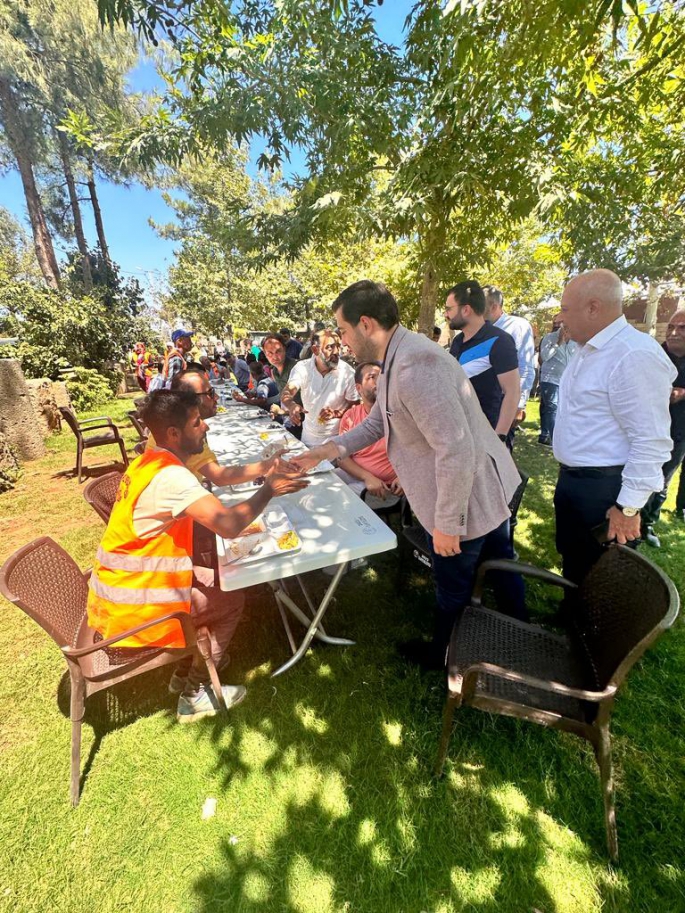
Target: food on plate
(245, 545)
(264, 435)
(257, 526)
(288, 540)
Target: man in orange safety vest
(144, 567)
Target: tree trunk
(75, 211)
(20, 148)
(432, 243)
(651, 311)
(429, 298)
(97, 212)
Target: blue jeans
(549, 400)
(454, 578)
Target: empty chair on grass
(86, 438)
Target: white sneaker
(195, 705)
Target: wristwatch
(628, 511)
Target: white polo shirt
(319, 391)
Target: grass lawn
(325, 798)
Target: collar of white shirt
(607, 334)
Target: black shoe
(650, 537)
(429, 655)
(545, 439)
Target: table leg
(310, 601)
(286, 624)
(312, 630)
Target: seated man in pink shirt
(370, 468)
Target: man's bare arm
(510, 383)
(236, 475)
(230, 521)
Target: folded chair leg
(76, 714)
(448, 716)
(79, 463)
(204, 643)
(124, 455)
(607, 781)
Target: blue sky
(137, 248)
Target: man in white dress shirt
(327, 388)
(522, 333)
(612, 433)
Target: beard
(331, 362)
(192, 446)
(457, 323)
(363, 350)
(370, 397)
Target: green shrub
(9, 352)
(88, 389)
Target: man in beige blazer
(454, 469)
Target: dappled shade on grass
(323, 778)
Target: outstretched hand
(284, 482)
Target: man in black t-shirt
(674, 346)
(487, 355)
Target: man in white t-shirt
(327, 389)
(146, 551)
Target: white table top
(334, 525)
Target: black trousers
(581, 500)
(652, 509)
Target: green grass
(325, 799)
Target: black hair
(359, 370)
(368, 299)
(275, 337)
(282, 332)
(250, 357)
(437, 330)
(469, 293)
(166, 409)
(255, 366)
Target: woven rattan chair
(44, 581)
(85, 439)
(100, 493)
(569, 682)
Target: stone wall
(18, 421)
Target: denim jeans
(454, 578)
(549, 400)
(652, 509)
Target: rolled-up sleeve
(639, 389)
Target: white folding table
(333, 524)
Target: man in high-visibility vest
(144, 568)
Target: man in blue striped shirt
(486, 353)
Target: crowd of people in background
(429, 418)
